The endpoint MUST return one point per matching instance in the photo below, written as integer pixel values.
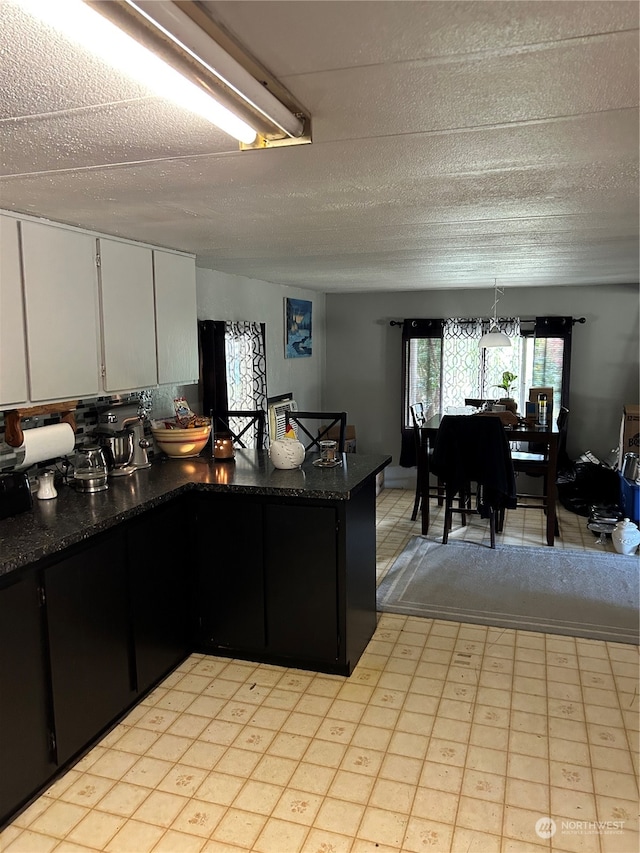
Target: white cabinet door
(176, 318)
(61, 297)
(13, 351)
(128, 316)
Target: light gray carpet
(535, 589)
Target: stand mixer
(120, 431)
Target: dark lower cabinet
(87, 601)
(25, 750)
(287, 581)
(162, 576)
(230, 598)
(301, 597)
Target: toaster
(15, 494)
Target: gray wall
(363, 360)
(228, 297)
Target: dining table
(544, 436)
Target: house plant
(508, 385)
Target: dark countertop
(71, 517)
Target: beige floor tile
(424, 834)
(113, 764)
(610, 784)
(383, 826)
(240, 828)
(361, 760)
(59, 819)
(219, 788)
(123, 799)
(484, 815)
(260, 797)
(204, 755)
(520, 824)
(157, 720)
(339, 816)
(135, 837)
(238, 762)
(182, 780)
(354, 787)
(148, 772)
(483, 785)
(324, 841)
(528, 767)
(160, 808)
(527, 795)
(198, 818)
(312, 778)
(447, 752)
(278, 836)
(179, 842)
(297, 806)
(470, 841)
(572, 805)
(272, 768)
(96, 829)
(430, 802)
(31, 842)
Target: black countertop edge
(53, 525)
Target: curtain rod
(574, 320)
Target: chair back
(471, 448)
(246, 427)
(328, 420)
(418, 415)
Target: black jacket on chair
(475, 448)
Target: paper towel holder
(13, 434)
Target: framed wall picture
(297, 326)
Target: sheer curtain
(467, 370)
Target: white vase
(625, 537)
(286, 453)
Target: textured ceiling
(453, 143)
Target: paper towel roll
(49, 442)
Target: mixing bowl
(181, 443)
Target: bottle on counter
(543, 411)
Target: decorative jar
(286, 453)
(625, 537)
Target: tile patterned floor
(447, 737)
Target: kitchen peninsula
(102, 595)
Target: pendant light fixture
(494, 337)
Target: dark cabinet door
(230, 572)
(89, 641)
(161, 570)
(301, 581)
(25, 760)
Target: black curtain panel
(213, 368)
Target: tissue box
(629, 431)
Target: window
(443, 364)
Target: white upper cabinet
(13, 352)
(176, 318)
(128, 316)
(83, 315)
(61, 300)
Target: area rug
(533, 589)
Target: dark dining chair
(534, 464)
(245, 427)
(473, 457)
(328, 420)
(424, 452)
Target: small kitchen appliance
(90, 469)
(15, 494)
(120, 431)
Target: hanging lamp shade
(494, 337)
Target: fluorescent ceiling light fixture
(494, 337)
(99, 35)
(190, 37)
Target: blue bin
(629, 499)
